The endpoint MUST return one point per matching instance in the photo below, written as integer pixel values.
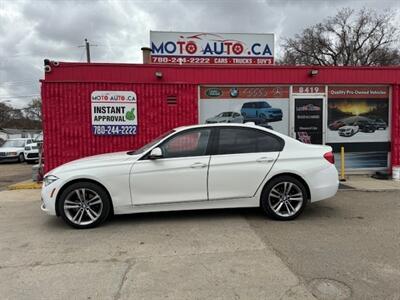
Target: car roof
(245, 125)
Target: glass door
(308, 120)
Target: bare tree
(363, 38)
(29, 117)
(33, 110)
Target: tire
(272, 198)
(21, 158)
(84, 205)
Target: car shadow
(313, 211)
(316, 211)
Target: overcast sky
(33, 30)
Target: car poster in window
(267, 106)
(114, 113)
(358, 114)
(358, 120)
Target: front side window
(244, 140)
(188, 143)
(151, 144)
(265, 105)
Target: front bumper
(49, 195)
(31, 156)
(345, 133)
(8, 158)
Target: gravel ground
(11, 172)
(346, 247)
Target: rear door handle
(198, 165)
(265, 159)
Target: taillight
(329, 157)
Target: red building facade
(354, 107)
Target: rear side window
(243, 140)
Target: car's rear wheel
(84, 205)
(21, 157)
(284, 198)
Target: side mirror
(156, 153)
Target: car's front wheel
(21, 158)
(84, 205)
(284, 198)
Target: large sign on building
(114, 113)
(211, 48)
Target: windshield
(14, 143)
(151, 144)
(225, 114)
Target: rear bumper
(324, 184)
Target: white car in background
(194, 167)
(31, 151)
(226, 117)
(348, 130)
(13, 150)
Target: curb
(355, 189)
(25, 185)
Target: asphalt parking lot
(343, 248)
(11, 172)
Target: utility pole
(87, 46)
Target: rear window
(247, 140)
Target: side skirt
(206, 204)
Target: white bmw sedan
(194, 167)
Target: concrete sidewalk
(187, 255)
(367, 183)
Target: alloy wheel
(285, 199)
(83, 206)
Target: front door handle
(265, 159)
(198, 165)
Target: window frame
(215, 134)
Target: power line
(87, 47)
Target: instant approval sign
(114, 113)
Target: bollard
(342, 176)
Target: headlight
(49, 179)
(12, 153)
